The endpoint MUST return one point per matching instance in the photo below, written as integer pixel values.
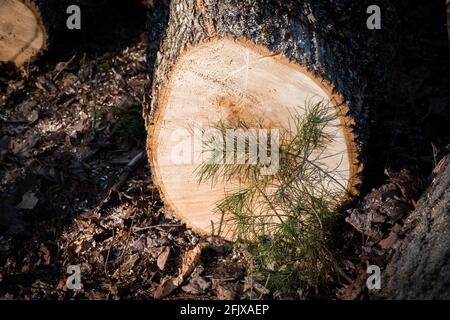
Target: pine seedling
(282, 222)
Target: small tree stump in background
(25, 27)
(28, 28)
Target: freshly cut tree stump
(26, 27)
(256, 61)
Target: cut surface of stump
(22, 34)
(228, 80)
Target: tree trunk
(211, 60)
(420, 267)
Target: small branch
(159, 227)
(127, 170)
(123, 177)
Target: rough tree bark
(328, 40)
(420, 267)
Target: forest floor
(69, 198)
(76, 190)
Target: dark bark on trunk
(420, 267)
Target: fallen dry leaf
(190, 260)
(197, 285)
(44, 253)
(23, 145)
(168, 285)
(162, 258)
(29, 201)
(228, 291)
(389, 242)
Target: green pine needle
(283, 221)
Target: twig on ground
(127, 170)
(123, 177)
(62, 66)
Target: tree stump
(27, 27)
(218, 60)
